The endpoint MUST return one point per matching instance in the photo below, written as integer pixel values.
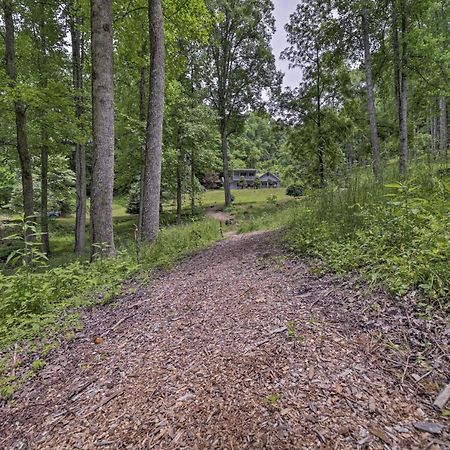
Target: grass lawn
(243, 196)
(61, 229)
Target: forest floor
(241, 346)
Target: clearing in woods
(239, 347)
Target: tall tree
(43, 82)
(102, 234)
(312, 48)
(20, 112)
(75, 24)
(151, 185)
(240, 65)
(400, 56)
(376, 157)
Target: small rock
(372, 405)
(400, 429)
(429, 427)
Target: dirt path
(216, 213)
(237, 348)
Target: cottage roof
(270, 174)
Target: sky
(283, 9)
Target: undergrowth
(36, 304)
(394, 234)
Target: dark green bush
(295, 190)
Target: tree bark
(152, 163)
(20, 115)
(44, 197)
(45, 239)
(102, 234)
(179, 185)
(396, 57)
(433, 133)
(226, 170)
(80, 150)
(143, 117)
(192, 181)
(400, 81)
(376, 158)
(404, 151)
(319, 123)
(443, 124)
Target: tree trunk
(102, 234)
(152, 164)
(319, 123)
(142, 118)
(192, 181)
(443, 136)
(45, 239)
(400, 81)
(433, 133)
(20, 115)
(376, 158)
(179, 185)
(44, 196)
(404, 151)
(396, 57)
(80, 151)
(226, 173)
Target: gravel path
(237, 348)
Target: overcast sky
(283, 9)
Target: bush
(61, 188)
(397, 234)
(295, 190)
(134, 199)
(32, 298)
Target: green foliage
(32, 301)
(295, 190)
(396, 235)
(61, 188)
(272, 199)
(7, 178)
(27, 255)
(134, 199)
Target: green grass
(243, 196)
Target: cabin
(270, 180)
(249, 178)
(245, 176)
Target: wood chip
(443, 397)
(380, 434)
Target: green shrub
(295, 190)
(33, 300)
(134, 199)
(396, 234)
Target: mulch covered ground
(241, 347)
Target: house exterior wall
(270, 180)
(250, 176)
